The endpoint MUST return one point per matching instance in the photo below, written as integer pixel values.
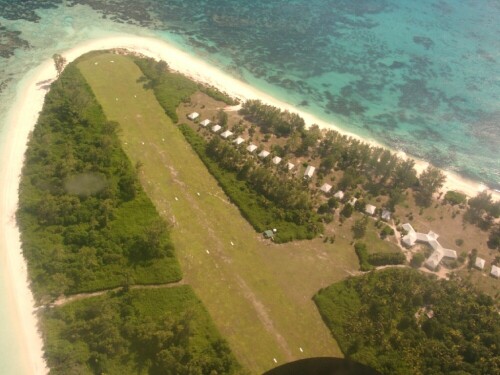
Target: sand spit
(22, 118)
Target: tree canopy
(400, 321)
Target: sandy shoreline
(21, 120)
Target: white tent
(205, 123)
(339, 194)
(264, 154)
(326, 188)
(370, 209)
(386, 215)
(495, 271)
(226, 134)
(239, 141)
(216, 128)
(309, 171)
(480, 262)
(251, 148)
(193, 116)
(276, 160)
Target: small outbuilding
(290, 166)
(216, 128)
(479, 263)
(264, 154)
(276, 160)
(353, 201)
(226, 134)
(339, 195)
(386, 215)
(239, 141)
(251, 148)
(495, 271)
(309, 171)
(370, 209)
(326, 188)
(268, 234)
(193, 116)
(205, 123)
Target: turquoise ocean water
(418, 76)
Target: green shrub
(417, 260)
(454, 197)
(383, 259)
(362, 254)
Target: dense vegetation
(265, 199)
(152, 331)
(368, 261)
(400, 321)
(171, 88)
(86, 223)
(377, 170)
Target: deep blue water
(419, 76)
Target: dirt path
(76, 297)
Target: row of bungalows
(480, 263)
(369, 208)
(309, 172)
(264, 154)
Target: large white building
(411, 237)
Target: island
(157, 237)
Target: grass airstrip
(259, 294)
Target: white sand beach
(22, 118)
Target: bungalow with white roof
(386, 215)
(239, 141)
(193, 116)
(226, 134)
(339, 194)
(264, 154)
(479, 263)
(430, 238)
(370, 209)
(205, 123)
(251, 148)
(276, 160)
(216, 128)
(309, 171)
(495, 271)
(326, 188)
(290, 166)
